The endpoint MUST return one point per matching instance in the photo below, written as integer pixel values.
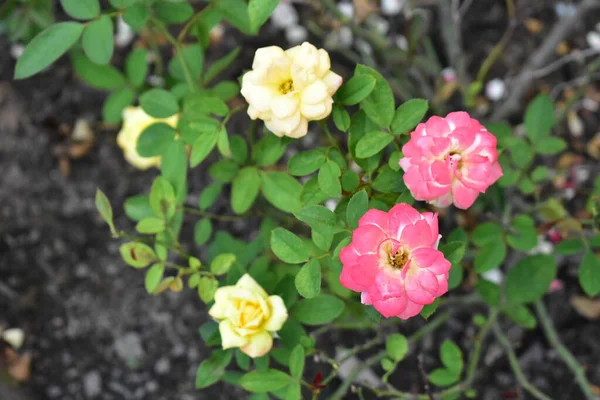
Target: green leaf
(221, 263)
(153, 277)
(174, 168)
(212, 369)
(288, 247)
(355, 90)
(97, 40)
(329, 179)
(487, 233)
(319, 310)
(47, 47)
(503, 133)
(162, 198)
(103, 77)
(408, 115)
(357, 207)
(319, 218)
(443, 377)
(387, 364)
(589, 274)
(104, 209)
(306, 162)
(155, 140)
(112, 111)
(120, 4)
(539, 119)
(172, 12)
(236, 12)
(193, 56)
(259, 12)
(203, 145)
(159, 103)
(225, 90)
(489, 292)
(490, 256)
(138, 207)
(269, 150)
(242, 360)
(207, 287)
(265, 381)
(389, 181)
(372, 143)
(297, 361)
(244, 189)
(521, 315)
(81, 9)
(220, 65)
(138, 255)
(451, 356)
(224, 170)
(539, 174)
(396, 346)
(570, 247)
(379, 105)
(350, 181)
(209, 195)
(550, 145)
(341, 118)
(308, 279)
(202, 231)
(136, 16)
(429, 309)
(136, 66)
(150, 225)
(525, 237)
(530, 278)
(281, 190)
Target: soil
(92, 330)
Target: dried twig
(424, 376)
(539, 58)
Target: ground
(92, 330)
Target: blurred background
(90, 329)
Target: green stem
(514, 364)
(191, 22)
(476, 353)
(323, 125)
(565, 354)
(195, 211)
(179, 49)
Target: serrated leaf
(355, 90)
(308, 279)
(97, 40)
(288, 247)
(408, 115)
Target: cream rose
(248, 316)
(135, 120)
(286, 89)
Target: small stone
(16, 50)
(347, 9)
(495, 89)
(593, 39)
(54, 392)
(391, 7)
(14, 337)
(92, 384)
(124, 34)
(151, 386)
(284, 16)
(162, 366)
(129, 348)
(296, 34)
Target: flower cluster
(286, 89)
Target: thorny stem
(514, 364)
(564, 353)
(179, 49)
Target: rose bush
(341, 217)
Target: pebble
(296, 34)
(284, 16)
(129, 347)
(162, 366)
(391, 7)
(495, 89)
(92, 384)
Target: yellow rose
(286, 89)
(248, 316)
(135, 120)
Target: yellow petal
(324, 63)
(279, 314)
(229, 337)
(258, 345)
(284, 106)
(301, 130)
(247, 282)
(333, 82)
(219, 310)
(315, 93)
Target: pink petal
(375, 217)
(389, 283)
(464, 197)
(437, 126)
(411, 310)
(391, 307)
(431, 259)
(401, 215)
(432, 220)
(365, 270)
(366, 238)
(347, 281)
(458, 119)
(418, 235)
(443, 285)
(349, 254)
(365, 299)
(421, 286)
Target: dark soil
(93, 331)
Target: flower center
(454, 161)
(398, 259)
(286, 86)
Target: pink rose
(450, 160)
(393, 260)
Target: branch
(564, 353)
(540, 58)
(514, 364)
